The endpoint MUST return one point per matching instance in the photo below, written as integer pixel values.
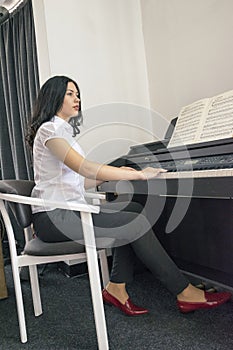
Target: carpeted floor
(68, 323)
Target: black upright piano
(190, 206)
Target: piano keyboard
(197, 174)
(209, 164)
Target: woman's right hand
(150, 173)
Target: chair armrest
(95, 195)
(48, 203)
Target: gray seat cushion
(37, 247)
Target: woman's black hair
(49, 101)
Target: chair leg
(94, 276)
(35, 290)
(104, 266)
(19, 303)
(15, 272)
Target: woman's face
(70, 106)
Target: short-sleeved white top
(54, 180)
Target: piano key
(197, 173)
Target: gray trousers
(132, 234)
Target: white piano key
(197, 174)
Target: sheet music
(204, 120)
(219, 119)
(188, 123)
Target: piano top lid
(219, 146)
(151, 146)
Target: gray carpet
(68, 323)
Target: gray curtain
(19, 84)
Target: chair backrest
(22, 212)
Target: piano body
(191, 204)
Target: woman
(62, 173)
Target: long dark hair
(49, 101)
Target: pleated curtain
(19, 84)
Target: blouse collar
(62, 122)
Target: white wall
(41, 39)
(189, 50)
(100, 44)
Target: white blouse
(54, 180)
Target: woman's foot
(191, 294)
(115, 294)
(118, 291)
(192, 298)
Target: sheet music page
(189, 122)
(219, 118)
(204, 120)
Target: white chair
(16, 195)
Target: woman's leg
(163, 268)
(122, 272)
(130, 227)
(147, 248)
(152, 254)
(61, 225)
(122, 264)
(150, 251)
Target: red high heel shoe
(128, 308)
(212, 300)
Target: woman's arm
(89, 183)
(92, 170)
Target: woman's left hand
(150, 172)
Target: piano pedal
(201, 286)
(206, 287)
(212, 290)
